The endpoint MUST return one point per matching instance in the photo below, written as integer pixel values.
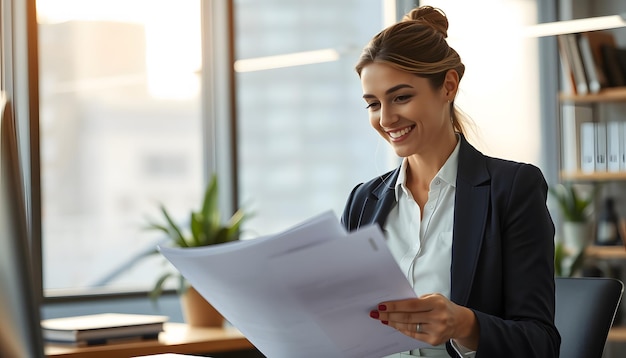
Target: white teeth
(400, 133)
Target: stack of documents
(305, 292)
(102, 328)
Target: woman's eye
(403, 98)
(372, 105)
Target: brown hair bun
(432, 16)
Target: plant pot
(198, 312)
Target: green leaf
(175, 232)
(195, 224)
(578, 262)
(559, 255)
(158, 227)
(573, 207)
(234, 225)
(210, 210)
(157, 290)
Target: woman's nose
(387, 117)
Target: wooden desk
(176, 338)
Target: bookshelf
(576, 107)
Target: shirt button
(437, 182)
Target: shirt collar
(447, 173)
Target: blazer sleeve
(524, 327)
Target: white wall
(500, 88)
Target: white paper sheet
(305, 292)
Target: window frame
(217, 117)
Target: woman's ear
(451, 84)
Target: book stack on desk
(102, 328)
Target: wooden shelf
(606, 252)
(593, 177)
(617, 334)
(613, 94)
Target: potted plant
(576, 209)
(205, 228)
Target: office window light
(304, 139)
(121, 132)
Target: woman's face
(405, 110)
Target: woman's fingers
(426, 318)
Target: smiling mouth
(401, 132)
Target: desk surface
(176, 338)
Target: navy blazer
(502, 250)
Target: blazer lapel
(470, 217)
(380, 201)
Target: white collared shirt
(423, 247)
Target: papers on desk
(102, 328)
(305, 292)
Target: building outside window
(120, 128)
(304, 139)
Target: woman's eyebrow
(389, 91)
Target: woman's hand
(431, 318)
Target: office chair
(585, 309)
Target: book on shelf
(592, 68)
(566, 66)
(612, 59)
(595, 41)
(102, 328)
(591, 61)
(580, 75)
(572, 63)
(614, 71)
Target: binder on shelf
(622, 153)
(587, 147)
(600, 148)
(613, 145)
(572, 117)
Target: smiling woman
(471, 232)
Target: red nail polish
(374, 314)
(382, 307)
(384, 322)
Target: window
(121, 132)
(121, 123)
(304, 138)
